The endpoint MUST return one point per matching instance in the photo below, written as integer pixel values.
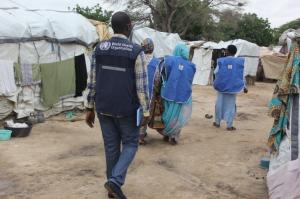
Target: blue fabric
(179, 75)
(176, 116)
(154, 63)
(225, 108)
(119, 132)
(230, 75)
(115, 77)
(181, 50)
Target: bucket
(265, 162)
(5, 134)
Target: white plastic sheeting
(29, 100)
(7, 79)
(43, 36)
(37, 37)
(164, 43)
(20, 25)
(39, 52)
(6, 107)
(285, 182)
(202, 59)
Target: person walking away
(154, 82)
(178, 74)
(228, 83)
(118, 87)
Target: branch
(152, 7)
(170, 19)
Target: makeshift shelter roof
(246, 49)
(43, 36)
(20, 25)
(270, 51)
(164, 43)
(30, 38)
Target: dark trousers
(121, 137)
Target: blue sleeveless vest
(154, 63)
(230, 77)
(179, 75)
(115, 77)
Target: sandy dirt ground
(65, 160)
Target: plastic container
(5, 134)
(20, 132)
(265, 162)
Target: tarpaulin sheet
(202, 58)
(164, 43)
(273, 65)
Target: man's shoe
(114, 190)
(110, 195)
(216, 125)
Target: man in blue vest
(118, 87)
(229, 82)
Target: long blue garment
(177, 90)
(225, 108)
(176, 116)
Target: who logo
(105, 45)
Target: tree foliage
(211, 20)
(177, 15)
(96, 13)
(255, 29)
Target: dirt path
(64, 160)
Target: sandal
(166, 138)
(231, 129)
(142, 142)
(173, 141)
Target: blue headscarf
(181, 50)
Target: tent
(164, 43)
(247, 50)
(206, 55)
(272, 62)
(201, 54)
(39, 37)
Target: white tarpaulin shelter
(38, 37)
(164, 43)
(43, 36)
(202, 58)
(248, 50)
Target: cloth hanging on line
(58, 81)
(7, 80)
(81, 75)
(27, 74)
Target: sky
(277, 11)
